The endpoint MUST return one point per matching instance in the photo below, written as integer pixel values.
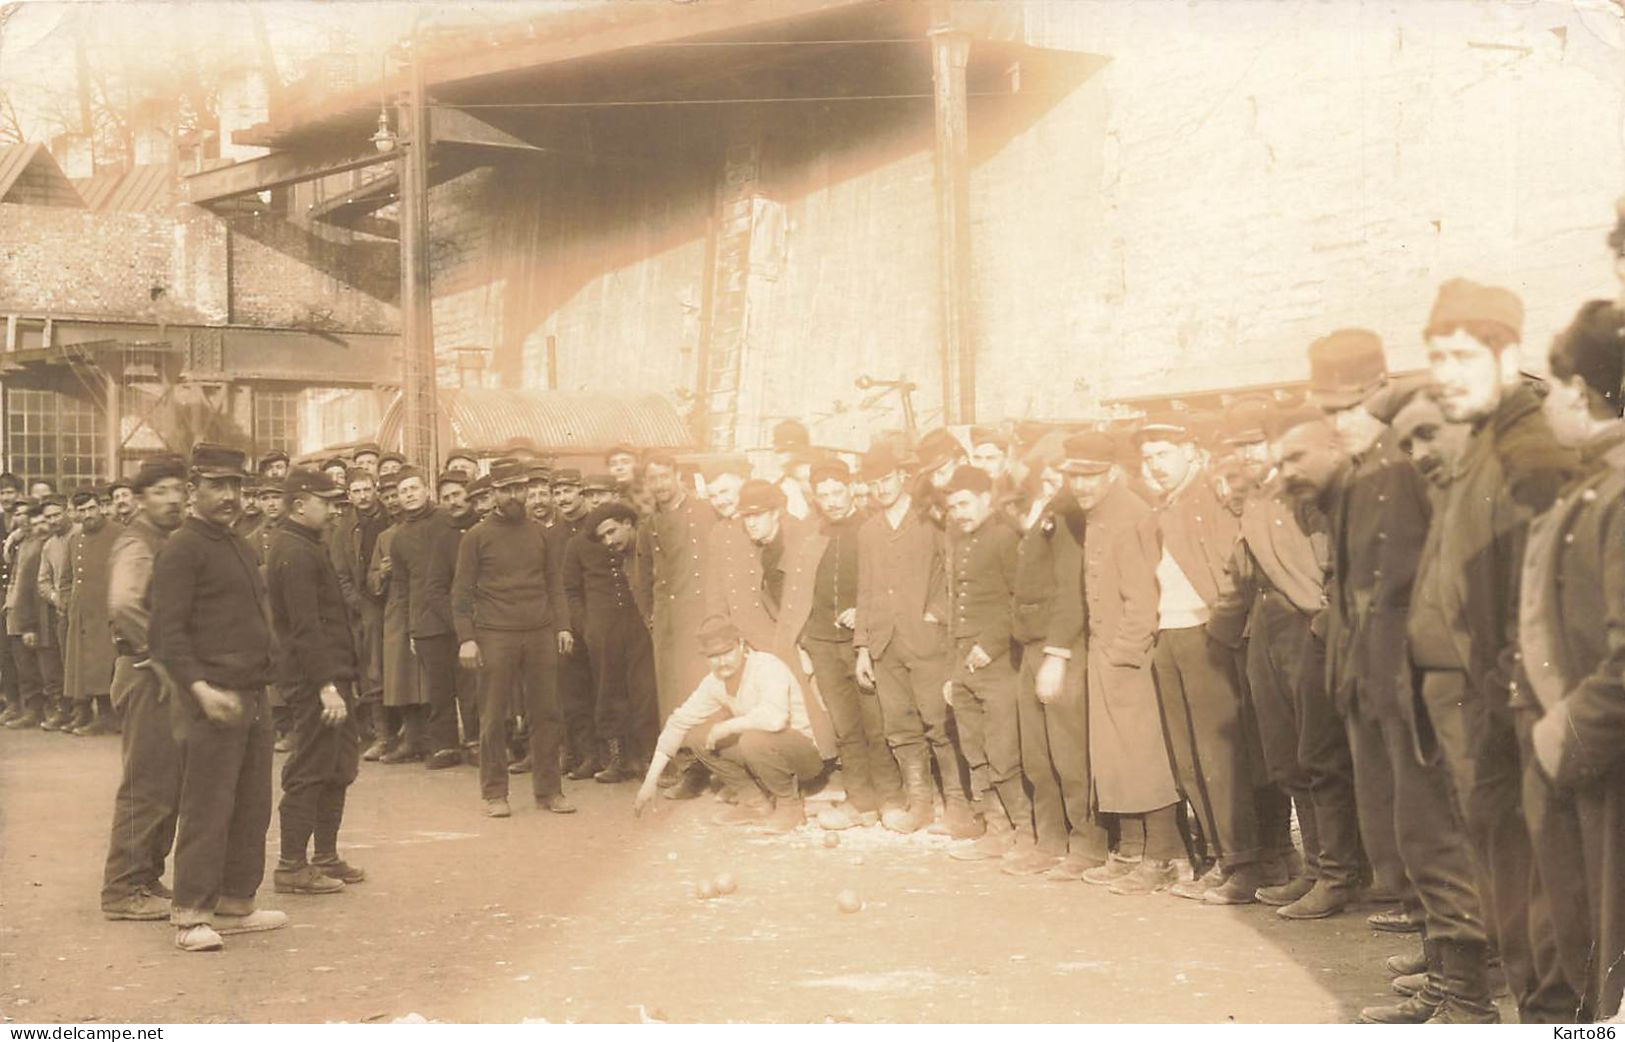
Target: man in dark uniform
(1377, 508)
(670, 582)
(577, 698)
(507, 606)
(404, 692)
(393, 462)
(981, 572)
(1278, 571)
(1047, 621)
(605, 614)
(211, 639)
(51, 587)
(819, 609)
(366, 457)
(1512, 471)
(351, 545)
(899, 642)
(88, 660)
(316, 668)
(274, 465)
(149, 785)
(423, 558)
(1572, 589)
(251, 518)
(465, 461)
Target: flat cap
(567, 476)
(1091, 452)
(1462, 302)
(367, 448)
(719, 635)
(81, 496)
(1421, 409)
(509, 472)
(1247, 421)
(275, 456)
(462, 453)
(758, 497)
(829, 469)
(938, 447)
(1165, 425)
(879, 461)
(968, 479)
(1345, 367)
(392, 457)
(598, 483)
(268, 487)
(614, 510)
(218, 461)
(158, 468)
(306, 482)
(789, 435)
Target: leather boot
(615, 770)
(1324, 899)
(959, 820)
(58, 717)
(1465, 981)
(13, 711)
(1405, 965)
(917, 789)
(995, 843)
(29, 719)
(1419, 1008)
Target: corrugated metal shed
(29, 175)
(150, 187)
(486, 419)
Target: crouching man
(747, 722)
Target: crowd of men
(1129, 656)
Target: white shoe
(254, 922)
(198, 938)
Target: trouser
(1055, 759)
(1482, 753)
(913, 712)
(990, 734)
(1154, 834)
(1328, 764)
(30, 681)
(468, 705)
(626, 701)
(148, 793)
(577, 702)
(50, 669)
(1422, 819)
(1560, 893)
(867, 768)
(1201, 719)
(224, 808)
(317, 774)
(777, 762)
(518, 660)
(438, 658)
(10, 686)
(1276, 651)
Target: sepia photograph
(811, 512)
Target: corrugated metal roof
(149, 187)
(486, 419)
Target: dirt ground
(593, 918)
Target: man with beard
(88, 654)
(605, 613)
(899, 646)
(212, 641)
(1377, 513)
(507, 603)
(819, 609)
(1511, 472)
(1278, 571)
(981, 571)
(577, 697)
(316, 667)
(25, 610)
(423, 560)
(671, 576)
(149, 786)
(748, 722)
(122, 494)
(351, 545)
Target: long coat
(400, 666)
(1573, 641)
(801, 558)
(669, 582)
(351, 547)
(88, 662)
(1126, 746)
